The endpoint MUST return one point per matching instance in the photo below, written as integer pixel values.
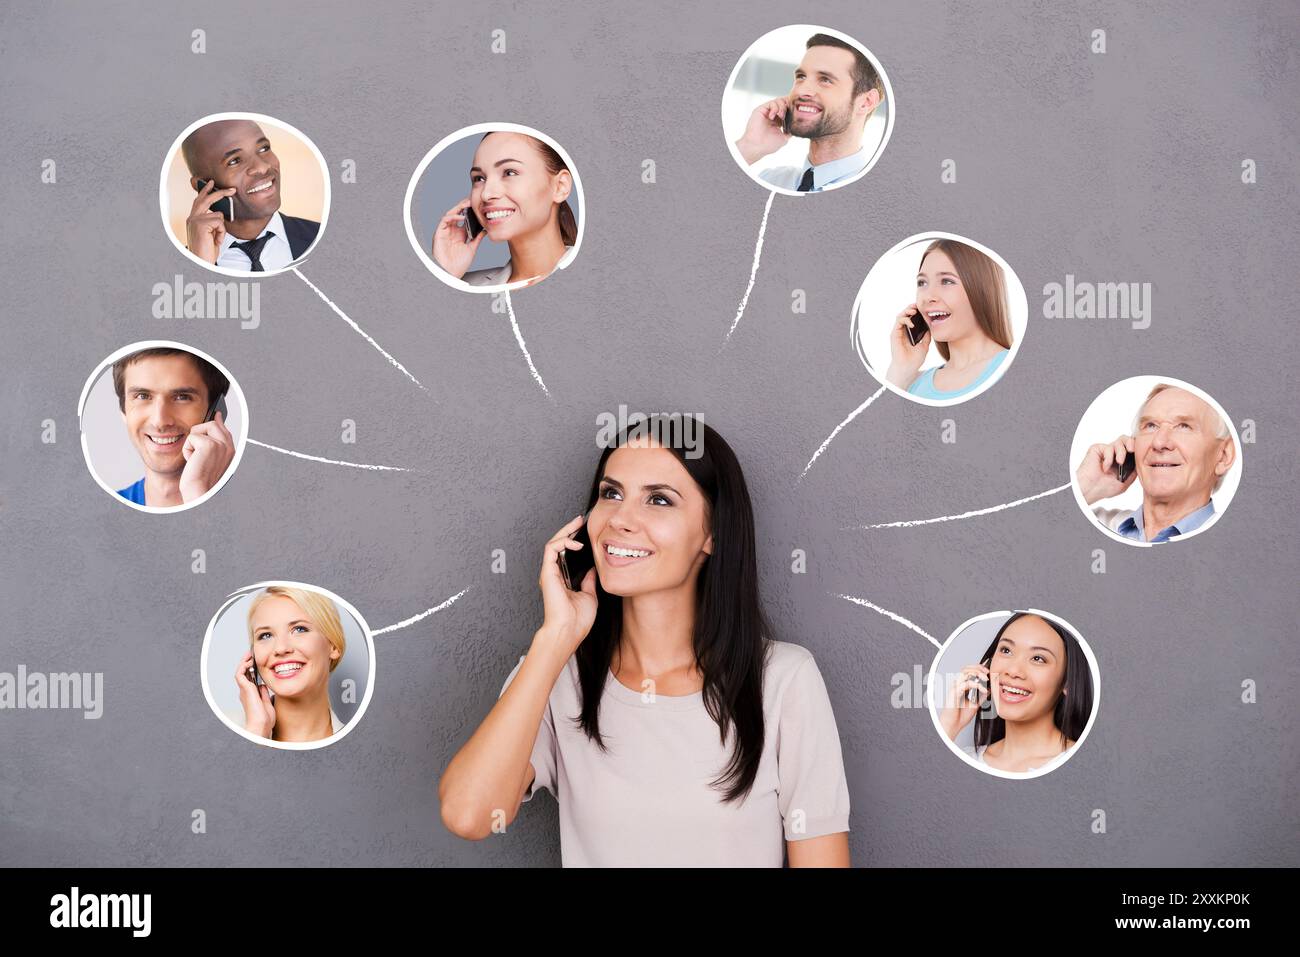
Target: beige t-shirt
(647, 801)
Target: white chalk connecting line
(889, 614)
(753, 270)
(519, 337)
(953, 518)
(357, 328)
(317, 458)
(852, 415)
(424, 614)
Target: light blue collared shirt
(824, 176)
(1131, 527)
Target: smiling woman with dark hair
(519, 191)
(653, 702)
(1038, 681)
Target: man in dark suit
(235, 159)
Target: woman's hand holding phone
(569, 614)
(905, 359)
(765, 132)
(259, 712)
(205, 228)
(208, 450)
(960, 709)
(1098, 474)
(452, 251)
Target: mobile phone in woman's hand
(973, 695)
(576, 562)
(472, 226)
(917, 330)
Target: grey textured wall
(1115, 167)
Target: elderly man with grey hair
(1181, 448)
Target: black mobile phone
(223, 206)
(472, 226)
(973, 695)
(218, 406)
(787, 118)
(1124, 469)
(576, 562)
(917, 330)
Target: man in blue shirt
(169, 402)
(1181, 450)
(835, 90)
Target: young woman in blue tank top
(961, 295)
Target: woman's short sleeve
(812, 793)
(543, 756)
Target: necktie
(253, 249)
(806, 183)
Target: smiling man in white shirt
(836, 89)
(233, 158)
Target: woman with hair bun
(519, 191)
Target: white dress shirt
(825, 176)
(276, 254)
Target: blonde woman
(295, 640)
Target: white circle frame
(1239, 463)
(889, 114)
(164, 198)
(916, 239)
(565, 261)
(289, 745)
(241, 440)
(1055, 763)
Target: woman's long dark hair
(1073, 706)
(554, 164)
(730, 626)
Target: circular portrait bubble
(1154, 459)
(1014, 693)
(163, 425)
(939, 319)
(495, 206)
(288, 665)
(807, 109)
(243, 193)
